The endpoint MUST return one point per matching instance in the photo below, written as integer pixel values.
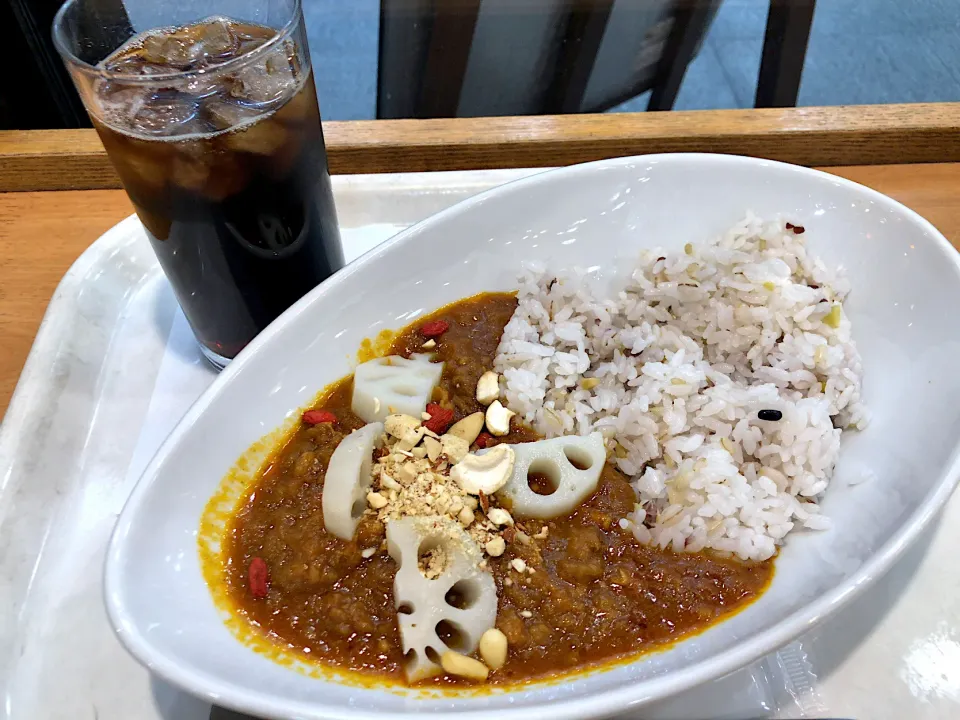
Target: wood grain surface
(856, 135)
(42, 233)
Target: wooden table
(58, 192)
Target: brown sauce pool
(596, 595)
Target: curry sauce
(593, 593)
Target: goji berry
(799, 229)
(440, 418)
(259, 577)
(434, 328)
(316, 417)
(483, 440)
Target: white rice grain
(686, 355)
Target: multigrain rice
(674, 368)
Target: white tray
(114, 367)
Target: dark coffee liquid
(227, 171)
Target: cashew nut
(468, 428)
(485, 473)
(498, 419)
(488, 388)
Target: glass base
(218, 361)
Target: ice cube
(251, 38)
(264, 84)
(166, 112)
(141, 165)
(225, 112)
(200, 166)
(263, 137)
(174, 51)
(217, 41)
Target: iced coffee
(215, 132)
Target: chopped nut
(376, 500)
(526, 614)
(488, 388)
(467, 428)
(507, 581)
(429, 344)
(471, 502)
(544, 531)
(398, 425)
(454, 663)
(498, 419)
(466, 516)
(419, 452)
(433, 448)
(409, 440)
(367, 552)
(453, 447)
(589, 383)
(485, 473)
(523, 538)
(518, 565)
(407, 473)
(388, 482)
(433, 563)
(499, 516)
(484, 501)
(493, 648)
(495, 547)
(424, 415)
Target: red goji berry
(259, 577)
(434, 328)
(799, 229)
(790, 226)
(316, 417)
(483, 440)
(440, 419)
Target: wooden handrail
(848, 135)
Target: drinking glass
(210, 118)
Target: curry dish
(586, 593)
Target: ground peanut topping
(410, 483)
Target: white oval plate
(906, 280)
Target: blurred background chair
(449, 58)
(446, 58)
